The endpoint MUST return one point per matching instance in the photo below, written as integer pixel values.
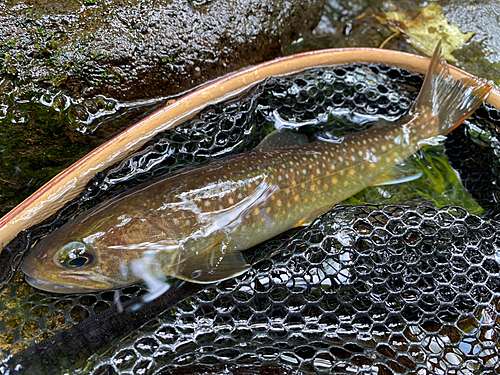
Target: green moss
(29, 330)
(24, 291)
(12, 303)
(14, 321)
(42, 132)
(473, 58)
(39, 311)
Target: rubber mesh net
(364, 289)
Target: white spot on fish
(370, 157)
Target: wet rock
(348, 23)
(137, 49)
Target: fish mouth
(49, 286)
(67, 283)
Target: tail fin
(452, 101)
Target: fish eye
(75, 255)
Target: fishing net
(364, 289)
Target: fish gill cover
(370, 288)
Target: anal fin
(398, 175)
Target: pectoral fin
(214, 264)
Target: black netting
(365, 289)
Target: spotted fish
(194, 225)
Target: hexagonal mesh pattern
(365, 289)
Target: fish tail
(452, 101)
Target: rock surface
(348, 23)
(135, 49)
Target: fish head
(82, 256)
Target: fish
(195, 224)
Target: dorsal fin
(281, 139)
